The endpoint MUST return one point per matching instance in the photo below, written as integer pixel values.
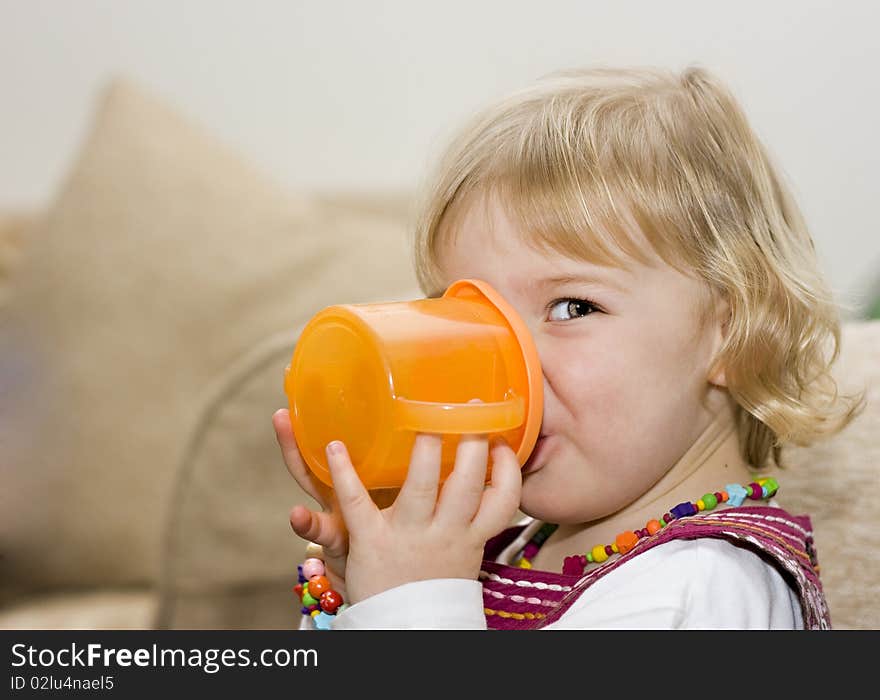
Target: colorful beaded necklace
(318, 599)
(733, 495)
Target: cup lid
(481, 291)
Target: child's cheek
(598, 379)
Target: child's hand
(326, 527)
(419, 537)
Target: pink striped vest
(515, 598)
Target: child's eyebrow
(566, 279)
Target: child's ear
(720, 324)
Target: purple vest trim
(516, 598)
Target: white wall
(360, 95)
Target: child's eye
(566, 309)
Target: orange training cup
(374, 375)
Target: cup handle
(460, 418)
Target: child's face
(626, 385)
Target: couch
(146, 317)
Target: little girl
(634, 221)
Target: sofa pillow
(835, 483)
(164, 258)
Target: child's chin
(537, 505)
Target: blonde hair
(581, 156)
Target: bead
(710, 500)
(298, 589)
(683, 510)
(700, 504)
(598, 553)
(308, 599)
(572, 566)
(720, 496)
(541, 535)
(524, 563)
(313, 567)
(330, 601)
(736, 494)
(614, 549)
(625, 541)
(314, 550)
(609, 550)
(757, 491)
(317, 585)
(323, 621)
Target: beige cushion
(836, 483)
(162, 263)
(104, 609)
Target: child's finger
(418, 496)
(292, 457)
(320, 528)
(355, 504)
(501, 499)
(463, 490)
